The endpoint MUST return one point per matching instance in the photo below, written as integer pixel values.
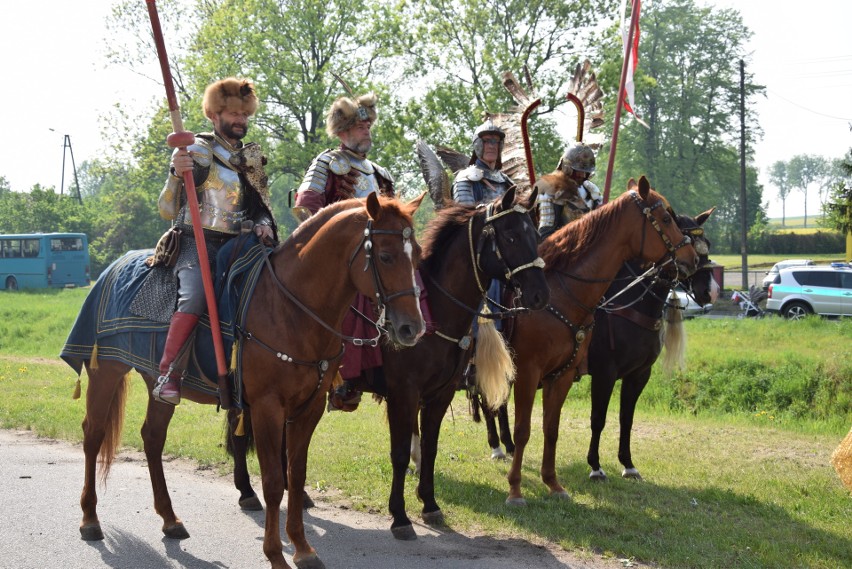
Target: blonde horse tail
(113, 427)
(673, 336)
(495, 369)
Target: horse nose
(409, 333)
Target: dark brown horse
(291, 341)
(463, 249)
(628, 338)
(581, 260)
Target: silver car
(772, 274)
(824, 290)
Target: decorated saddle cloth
(108, 328)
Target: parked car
(824, 290)
(772, 274)
(690, 307)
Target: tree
(778, 175)
(838, 208)
(804, 171)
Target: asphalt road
(41, 483)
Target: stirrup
(171, 396)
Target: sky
(58, 87)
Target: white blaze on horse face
(409, 251)
(714, 290)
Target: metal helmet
(578, 157)
(487, 127)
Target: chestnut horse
(291, 347)
(463, 249)
(581, 260)
(628, 338)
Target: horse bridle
(382, 298)
(648, 212)
(489, 234)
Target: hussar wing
(434, 173)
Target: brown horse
(463, 249)
(630, 332)
(291, 347)
(581, 260)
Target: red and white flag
(629, 101)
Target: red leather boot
(167, 389)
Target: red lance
(181, 139)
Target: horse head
(382, 267)
(701, 285)
(508, 248)
(662, 239)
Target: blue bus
(44, 260)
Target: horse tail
(673, 336)
(495, 369)
(113, 426)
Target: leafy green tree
(806, 170)
(838, 208)
(779, 177)
(688, 91)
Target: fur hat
(229, 94)
(345, 113)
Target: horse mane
(572, 240)
(306, 230)
(441, 231)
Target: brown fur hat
(343, 113)
(229, 94)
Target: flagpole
(181, 139)
(634, 21)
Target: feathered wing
(584, 87)
(452, 159)
(436, 177)
(514, 155)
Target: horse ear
(644, 187)
(631, 184)
(415, 203)
(508, 199)
(702, 217)
(532, 199)
(374, 208)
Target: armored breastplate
(220, 196)
(344, 161)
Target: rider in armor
(558, 206)
(231, 189)
(338, 174)
(482, 181)
(344, 172)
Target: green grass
(734, 450)
(735, 262)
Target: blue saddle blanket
(106, 322)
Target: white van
(772, 274)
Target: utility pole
(743, 204)
(67, 144)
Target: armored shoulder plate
(470, 174)
(382, 172)
(202, 149)
(317, 174)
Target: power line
(806, 108)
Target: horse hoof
(560, 495)
(404, 533)
(307, 503)
(519, 502)
(631, 473)
(176, 531)
(498, 454)
(251, 504)
(91, 532)
(310, 561)
(598, 475)
(435, 518)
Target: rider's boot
(167, 388)
(344, 398)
